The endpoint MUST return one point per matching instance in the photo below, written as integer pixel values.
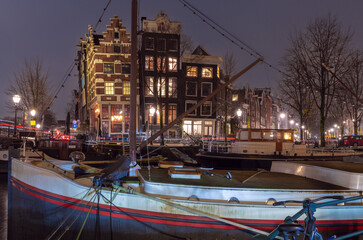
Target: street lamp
(239, 112)
(16, 100)
(33, 112)
(282, 116)
(151, 113)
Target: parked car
(354, 140)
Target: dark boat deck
(262, 180)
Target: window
(187, 127)
(161, 64)
(208, 128)
(197, 127)
(149, 88)
(161, 44)
(192, 71)
(172, 91)
(116, 48)
(109, 88)
(173, 66)
(206, 109)
(207, 72)
(172, 112)
(191, 88)
(234, 97)
(104, 111)
(116, 35)
(190, 104)
(149, 63)
(126, 68)
(173, 45)
(161, 87)
(104, 128)
(108, 68)
(158, 114)
(126, 88)
(206, 89)
(148, 115)
(149, 43)
(116, 110)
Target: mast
(133, 84)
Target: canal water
(3, 206)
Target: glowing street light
(152, 111)
(282, 115)
(16, 100)
(239, 112)
(38, 126)
(33, 112)
(292, 121)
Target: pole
(16, 109)
(153, 137)
(133, 84)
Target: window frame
(172, 44)
(149, 63)
(149, 87)
(153, 43)
(122, 68)
(186, 107)
(172, 87)
(211, 72)
(126, 88)
(201, 88)
(109, 88)
(191, 75)
(110, 64)
(172, 61)
(210, 111)
(195, 91)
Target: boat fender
(233, 199)
(193, 196)
(229, 176)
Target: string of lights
(226, 34)
(71, 67)
(103, 12)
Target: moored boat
(46, 200)
(258, 148)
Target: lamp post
(16, 100)
(282, 116)
(151, 113)
(239, 114)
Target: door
(279, 142)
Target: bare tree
(186, 44)
(323, 41)
(71, 105)
(354, 81)
(295, 92)
(31, 83)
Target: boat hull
(39, 200)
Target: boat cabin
(263, 141)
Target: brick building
(104, 79)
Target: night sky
(50, 30)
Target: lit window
(192, 71)
(191, 89)
(161, 87)
(206, 89)
(172, 112)
(187, 127)
(149, 43)
(287, 136)
(234, 97)
(161, 64)
(206, 109)
(126, 88)
(158, 114)
(109, 88)
(197, 127)
(148, 114)
(149, 63)
(173, 66)
(172, 88)
(207, 72)
(149, 88)
(104, 111)
(108, 68)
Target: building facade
(201, 76)
(104, 80)
(159, 70)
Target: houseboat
(258, 148)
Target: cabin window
(243, 135)
(287, 136)
(255, 135)
(234, 97)
(268, 136)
